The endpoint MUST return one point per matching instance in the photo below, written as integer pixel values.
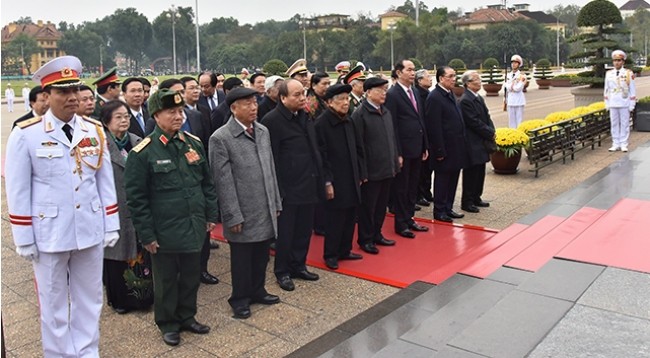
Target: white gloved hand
(29, 252)
(110, 238)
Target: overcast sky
(246, 11)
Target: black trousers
(339, 231)
(248, 263)
(372, 212)
(473, 182)
(205, 253)
(405, 191)
(424, 187)
(444, 190)
(294, 234)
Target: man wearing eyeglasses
(133, 91)
(620, 98)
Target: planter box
(458, 91)
(561, 82)
(492, 89)
(543, 84)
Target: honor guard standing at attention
(355, 78)
(514, 87)
(620, 98)
(108, 89)
(173, 203)
(298, 71)
(62, 207)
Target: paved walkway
(313, 308)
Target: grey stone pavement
(465, 314)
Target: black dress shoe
(120, 310)
(332, 263)
(417, 208)
(172, 338)
(269, 299)
(350, 256)
(242, 312)
(470, 208)
(482, 204)
(454, 215)
(305, 275)
(423, 202)
(417, 227)
(370, 248)
(407, 234)
(286, 283)
(214, 245)
(319, 232)
(208, 279)
(429, 198)
(197, 328)
(443, 217)
(385, 242)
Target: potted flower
(543, 73)
(510, 143)
(491, 77)
(459, 66)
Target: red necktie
(250, 131)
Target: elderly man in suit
(39, 104)
(220, 115)
(211, 95)
(406, 109)
(446, 132)
(479, 131)
(242, 163)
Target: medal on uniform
(192, 156)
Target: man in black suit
(191, 97)
(211, 96)
(446, 132)
(423, 83)
(298, 168)
(38, 102)
(406, 110)
(133, 91)
(271, 85)
(221, 114)
(479, 130)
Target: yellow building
(45, 34)
(391, 17)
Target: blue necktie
(140, 121)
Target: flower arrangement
(558, 116)
(510, 141)
(532, 124)
(597, 106)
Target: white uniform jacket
(61, 195)
(619, 89)
(514, 85)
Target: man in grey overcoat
(249, 199)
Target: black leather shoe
(242, 312)
(417, 227)
(407, 234)
(417, 208)
(370, 248)
(454, 215)
(305, 275)
(286, 283)
(470, 208)
(120, 310)
(172, 338)
(482, 204)
(208, 279)
(319, 232)
(269, 299)
(423, 202)
(197, 328)
(332, 263)
(385, 242)
(443, 217)
(214, 245)
(350, 256)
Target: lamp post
(303, 23)
(557, 42)
(391, 28)
(173, 14)
(198, 49)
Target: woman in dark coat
(127, 269)
(337, 145)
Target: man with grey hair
(479, 134)
(423, 83)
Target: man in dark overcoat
(338, 148)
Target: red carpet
(409, 260)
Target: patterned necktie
(68, 131)
(212, 104)
(250, 131)
(415, 104)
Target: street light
(391, 28)
(173, 14)
(303, 23)
(198, 49)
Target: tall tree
(130, 33)
(18, 53)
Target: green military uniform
(109, 77)
(172, 198)
(355, 74)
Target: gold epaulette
(141, 145)
(26, 123)
(93, 121)
(192, 135)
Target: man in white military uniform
(25, 94)
(62, 207)
(620, 98)
(514, 87)
(10, 95)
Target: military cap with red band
(60, 72)
(107, 78)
